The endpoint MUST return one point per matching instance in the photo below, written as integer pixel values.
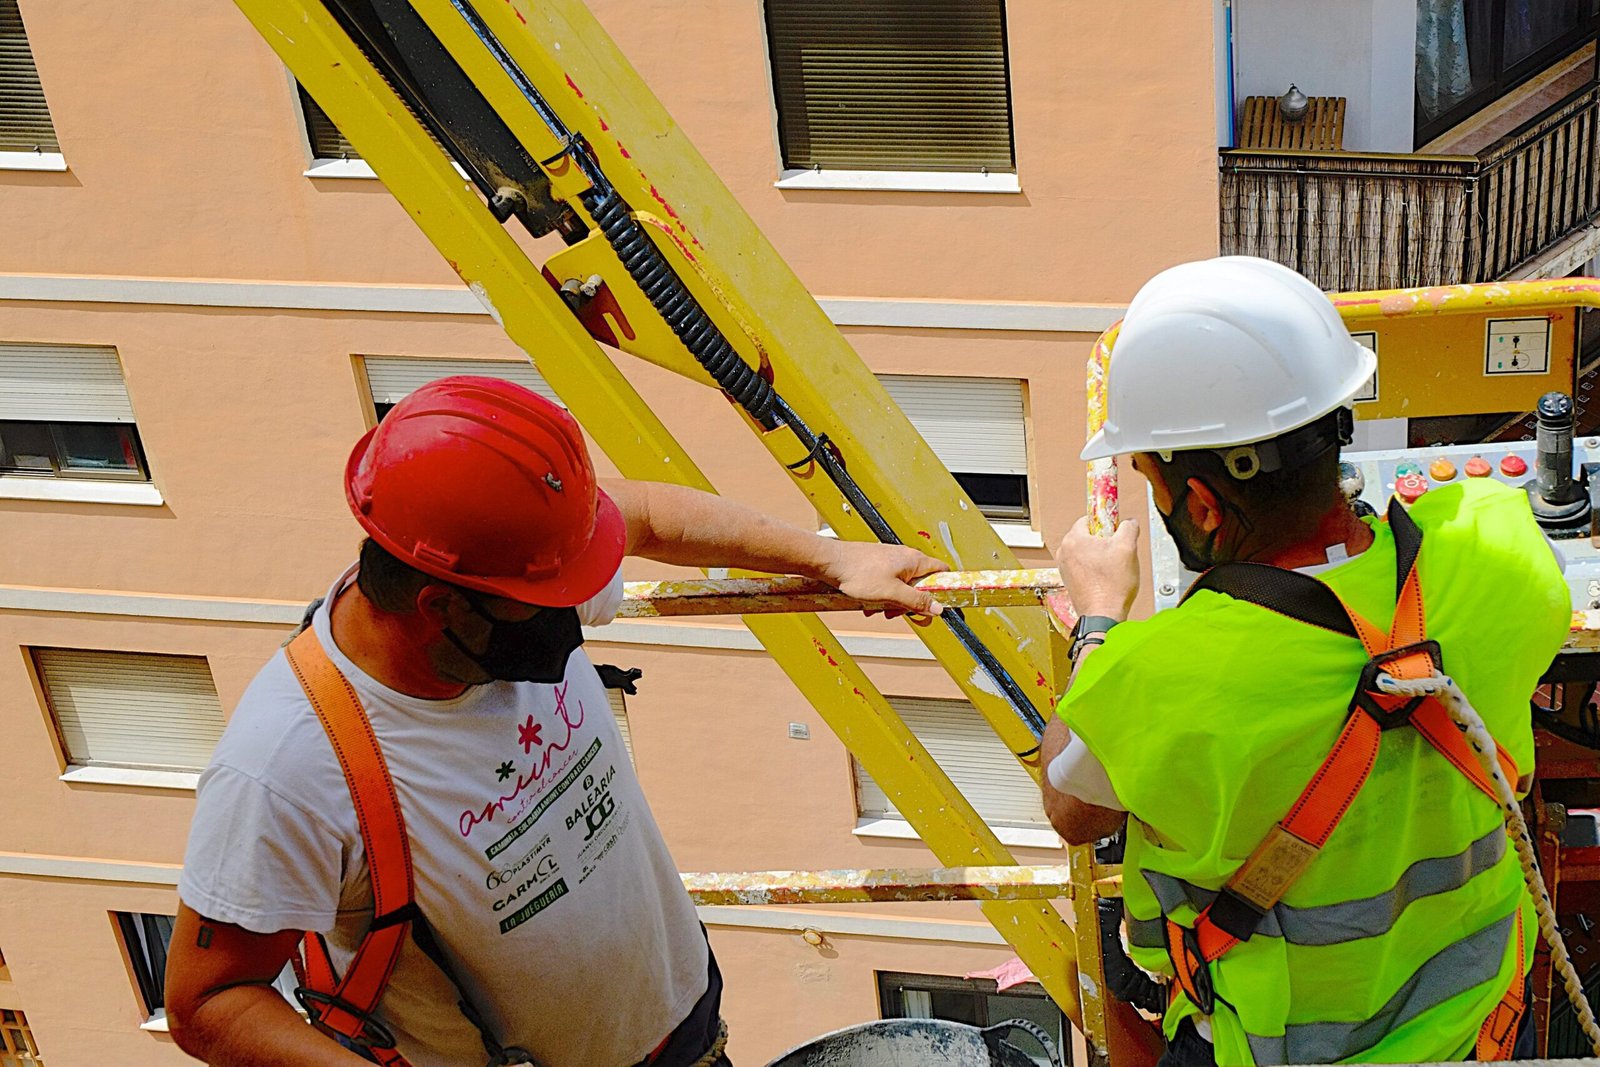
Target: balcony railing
(1351, 220)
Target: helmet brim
(1097, 448)
(580, 579)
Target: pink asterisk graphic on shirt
(528, 735)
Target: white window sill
(900, 830)
(134, 776)
(904, 181)
(1012, 534)
(78, 491)
(350, 168)
(157, 1023)
(50, 161)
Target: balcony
(1525, 206)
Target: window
(391, 379)
(977, 428)
(16, 1041)
(980, 765)
(976, 1002)
(619, 708)
(891, 85)
(147, 939)
(65, 413)
(131, 709)
(326, 140)
(1472, 52)
(24, 119)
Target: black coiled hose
(655, 277)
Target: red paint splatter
(519, 16)
(603, 127)
(574, 87)
(625, 153)
(1041, 682)
(925, 534)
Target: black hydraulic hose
(666, 292)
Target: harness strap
(345, 1005)
(1295, 841)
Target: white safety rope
(1445, 690)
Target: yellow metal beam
(877, 885)
(676, 598)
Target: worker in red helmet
(429, 779)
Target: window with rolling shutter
(24, 119)
(326, 140)
(980, 765)
(903, 85)
(131, 709)
(619, 709)
(978, 429)
(64, 412)
(390, 379)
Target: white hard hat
(1225, 352)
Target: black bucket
(922, 1043)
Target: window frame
(1506, 80)
(59, 470)
(143, 979)
(15, 1021)
(844, 176)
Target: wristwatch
(1088, 628)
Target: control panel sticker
(1517, 346)
(1369, 392)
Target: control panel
(1370, 479)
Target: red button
(1478, 467)
(1513, 467)
(1442, 470)
(1410, 486)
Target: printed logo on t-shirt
(549, 771)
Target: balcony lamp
(1292, 105)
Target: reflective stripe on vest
(1331, 924)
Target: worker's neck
(1340, 526)
(390, 648)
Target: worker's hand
(1101, 574)
(882, 574)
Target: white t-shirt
(537, 861)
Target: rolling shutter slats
(979, 764)
(326, 140)
(619, 709)
(132, 709)
(974, 425)
(393, 378)
(62, 383)
(25, 124)
(891, 85)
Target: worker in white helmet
(1316, 875)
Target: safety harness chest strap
(1288, 849)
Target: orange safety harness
(345, 1006)
(1403, 652)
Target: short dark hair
(389, 583)
(1286, 503)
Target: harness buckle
(1368, 696)
(373, 1033)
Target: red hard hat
(486, 485)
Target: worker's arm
(674, 524)
(222, 1008)
(1101, 575)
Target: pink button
(1478, 467)
(1410, 486)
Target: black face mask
(1197, 551)
(534, 650)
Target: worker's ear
(438, 604)
(1206, 508)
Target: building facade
(205, 299)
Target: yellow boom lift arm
(556, 131)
